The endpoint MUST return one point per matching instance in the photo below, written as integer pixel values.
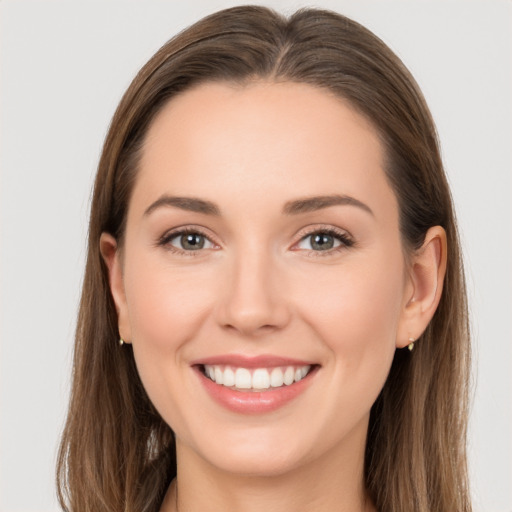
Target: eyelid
(342, 235)
(164, 240)
(346, 239)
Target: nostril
(253, 319)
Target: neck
(331, 483)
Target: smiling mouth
(255, 379)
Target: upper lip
(244, 361)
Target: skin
(259, 287)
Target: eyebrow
(311, 204)
(298, 206)
(190, 204)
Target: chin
(257, 451)
(257, 462)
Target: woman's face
(262, 280)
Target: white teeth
(228, 379)
(289, 375)
(242, 379)
(218, 375)
(276, 378)
(257, 379)
(261, 379)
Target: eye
(187, 241)
(324, 240)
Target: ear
(424, 286)
(111, 255)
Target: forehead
(224, 141)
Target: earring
(411, 344)
(121, 342)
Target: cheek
(165, 305)
(356, 309)
(355, 316)
(356, 299)
(166, 309)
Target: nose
(254, 297)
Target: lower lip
(254, 402)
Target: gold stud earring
(411, 344)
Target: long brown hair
(117, 454)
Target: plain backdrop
(64, 67)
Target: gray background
(64, 66)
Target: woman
(272, 241)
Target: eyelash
(165, 240)
(342, 236)
(346, 241)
